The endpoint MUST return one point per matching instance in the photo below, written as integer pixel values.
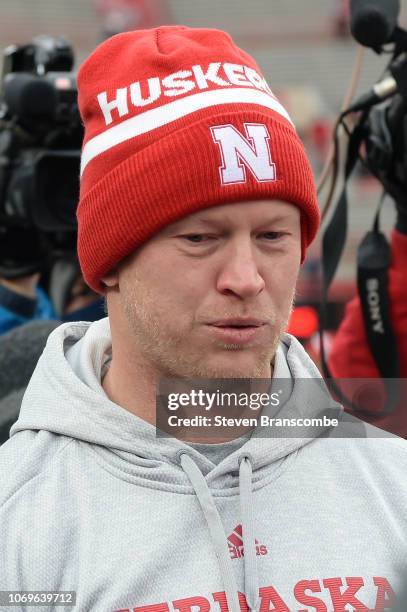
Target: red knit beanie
(177, 120)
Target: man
(197, 206)
(21, 301)
(350, 355)
(20, 350)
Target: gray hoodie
(92, 501)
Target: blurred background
(306, 53)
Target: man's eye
(195, 238)
(273, 235)
(203, 238)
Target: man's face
(182, 293)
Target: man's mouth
(237, 333)
(239, 322)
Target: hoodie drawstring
(218, 534)
(251, 578)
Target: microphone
(391, 84)
(372, 22)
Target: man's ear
(112, 279)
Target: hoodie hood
(65, 397)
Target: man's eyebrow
(217, 222)
(277, 219)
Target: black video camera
(40, 139)
(383, 125)
(379, 140)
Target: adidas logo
(235, 543)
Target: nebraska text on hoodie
(93, 502)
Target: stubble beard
(169, 355)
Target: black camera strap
(374, 257)
(373, 263)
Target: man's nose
(239, 273)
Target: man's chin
(236, 366)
